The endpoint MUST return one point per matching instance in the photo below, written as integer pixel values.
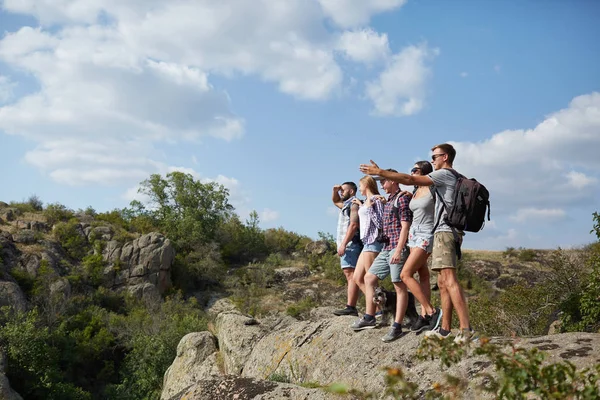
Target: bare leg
(456, 296)
(371, 282)
(424, 282)
(415, 261)
(401, 301)
(352, 287)
(446, 303)
(363, 264)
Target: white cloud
(268, 215)
(364, 45)
(551, 166)
(6, 89)
(525, 214)
(580, 180)
(464, 74)
(351, 13)
(400, 89)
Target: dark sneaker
(438, 333)
(393, 334)
(346, 311)
(465, 336)
(435, 319)
(421, 324)
(363, 324)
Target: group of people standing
(395, 236)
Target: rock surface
(11, 295)
(327, 351)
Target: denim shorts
(374, 247)
(350, 257)
(421, 238)
(382, 267)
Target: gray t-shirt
(444, 182)
(422, 209)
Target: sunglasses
(412, 171)
(435, 156)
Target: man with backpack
(450, 221)
(348, 241)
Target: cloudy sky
(281, 99)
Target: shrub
(282, 241)
(510, 252)
(527, 255)
(35, 202)
(72, 238)
(56, 212)
(301, 308)
(93, 266)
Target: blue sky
(279, 101)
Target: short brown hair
(448, 149)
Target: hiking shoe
(393, 334)
(363, 324)
(466, 336)
(346, 311)
(421, 323)
(435, 319)
(438, 333)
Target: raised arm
(335, 197)
(405, 179)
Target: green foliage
(301, 308)
(35, 203)
(56, 212)
(93, 266)
(250, 286)
(242, 243)
(187, 211)
(282, 241)
(527, 255)
(581, 311)
(152, 335)
(510, 252)
(328, 264)
(199, 268)
(24, 279)
(71, 238)
(33, 363)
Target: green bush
(93, 266)
(301, 308)
(527, 255)
(510, 252)
(282, 241)
(72, 238)
(56, 212)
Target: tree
(187, 211)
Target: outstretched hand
(369, 169)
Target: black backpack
(471, 200)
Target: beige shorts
(444, 251)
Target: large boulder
(318, 247)
(11, 295)
(146, 260)
(327, 351)
(235, 387)
(195, 361)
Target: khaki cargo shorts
(444, 251)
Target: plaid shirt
(391, 223)
(374, 221)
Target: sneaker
(393, 334)
(438, 333)
(465, 336)
(363, 324)
(421, 323)
(347, 311)
(435, 319)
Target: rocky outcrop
(143, 266)
(11, 295)
(318, 247)
(195, 360)
(235, 387)
(6, 393)
(326, 351)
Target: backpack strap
(445, 207)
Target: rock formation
(323, 351)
